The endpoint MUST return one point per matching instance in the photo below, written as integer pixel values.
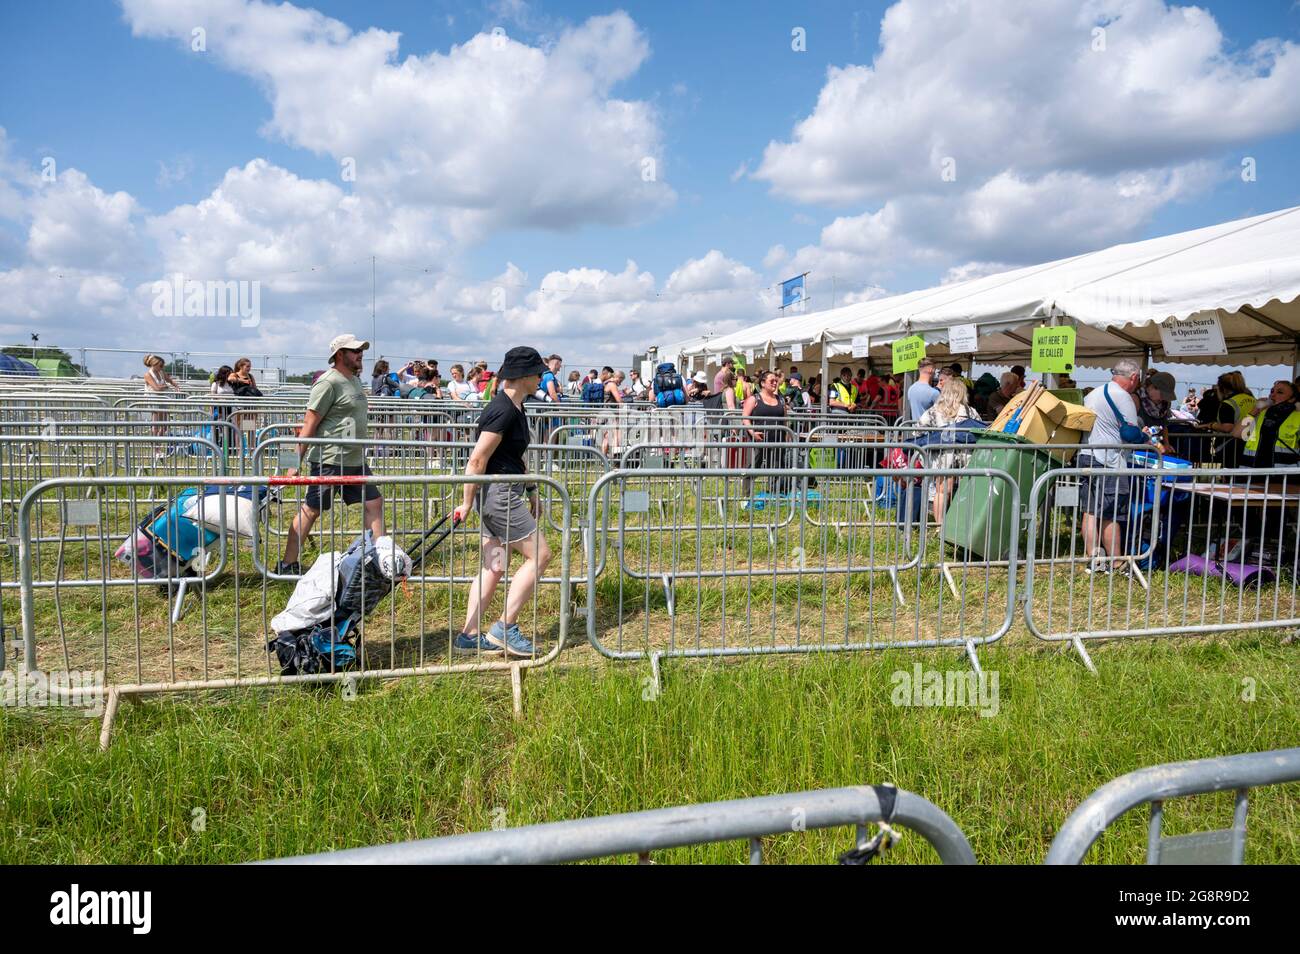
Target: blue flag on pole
(791, 291)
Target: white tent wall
(1246, 271)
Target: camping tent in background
(56, 368)
(11, 365)
(1246, 273)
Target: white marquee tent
(1246, 272)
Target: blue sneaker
(510, 639)
(465, 643)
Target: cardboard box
(1049, 421)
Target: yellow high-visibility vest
(1288, 435)
(1245, 405)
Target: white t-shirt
(1106, 429)
(462, 390)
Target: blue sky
(161, 138)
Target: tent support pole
(825, 379)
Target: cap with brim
(521, 362)
(1164, 382)
(351, 342)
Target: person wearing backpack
(667, 389)
(593, 392)
(550, 389)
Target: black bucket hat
(521, 362)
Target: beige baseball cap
(347, 341)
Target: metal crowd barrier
(92, 606)
(748, 820)
(26, 460)
(1191, 551)
(575, 468)
(1159, 783)
(778, 583)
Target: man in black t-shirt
(508, 511)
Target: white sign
(796, 352)
(749, 357)
(861, 346)
(81, 513)
(647, 370)
(963, 339)
(715, 359)
(1196, 335)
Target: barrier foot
(1137, 574)
(756, 851)
(110, 713)
(178, 609)
(517, 690)
(974, 659)
(952, 584)
(1083, 654)
(898, 589)
(655, 673)
(668, 593)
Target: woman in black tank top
(766, 407)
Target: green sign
(1053, 351)
(908, 353)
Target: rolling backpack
(669, 389)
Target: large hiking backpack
(669, 389)
(593, 392)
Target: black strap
(887, 796)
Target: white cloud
(972, 270)
(1006, 218)
(494, 133)
(591, 314)
(1004, 86)
(76, 224)
(994, 131)
(868, 292)
(713, 272)
(262, 221)
(741, 171)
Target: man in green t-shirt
(336, 408)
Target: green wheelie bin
(979, 517)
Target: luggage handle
(418, 559)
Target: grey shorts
(504, 510)
(1104, 497)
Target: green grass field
(294, 769)
(288, 771)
